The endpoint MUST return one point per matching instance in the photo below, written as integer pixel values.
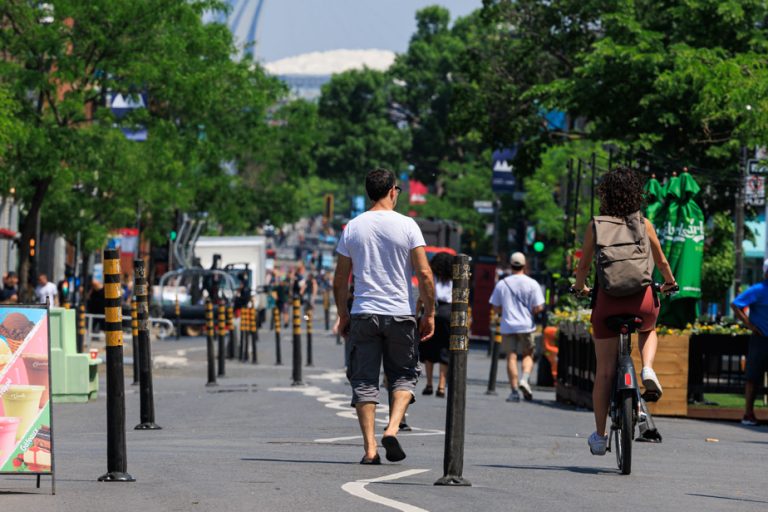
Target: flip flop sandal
(440, 393)
(395, 452)
(427, 390)
(376, 461)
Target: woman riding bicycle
(621, 195)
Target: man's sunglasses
(399, 190)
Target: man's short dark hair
(378, 182)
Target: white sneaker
(650, 381)
(597, 444)
(526, 389)
(514, 396)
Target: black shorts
(757, 358)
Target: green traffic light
(173, 236)
(538, 246)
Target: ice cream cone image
(14, 329)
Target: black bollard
(135, 339)
(327, 309)
(278, 354)
(146, 392)
(117, 461)
(222, 331)
(244, 326)
(231, 332)
(209, 343)
(495, 340)
(297, 341)
(254, 335)
(177, 310)
(309, 336)
(453, 461)
(80, 328)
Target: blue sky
(293, 27)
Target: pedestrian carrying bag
(622, 254)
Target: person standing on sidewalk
(518, 298)
(756, 299)
(382, 249)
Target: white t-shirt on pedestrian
(379, 243)
(47, 291)
(517, 295)
(443, 291)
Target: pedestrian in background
(435, 350)
(383, 249)
(46, 292)
(756, 299)
(518, 298)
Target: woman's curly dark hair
(621, 192)
(441, 266)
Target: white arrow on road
(357, 489)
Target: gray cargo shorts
(376, 337)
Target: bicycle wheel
(624, 434)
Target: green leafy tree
(717, 267)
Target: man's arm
(426, 291)
(742, 315)
(341, 290)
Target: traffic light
(328, 208)
(172, 235)
(538, 246)
(31, 247)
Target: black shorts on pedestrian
(374, 338)
(757, 358)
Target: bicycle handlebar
(656, 288)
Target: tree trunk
(28, 228)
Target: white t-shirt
(517, 295)
(379, 243)
(443, 291)
(49, 291)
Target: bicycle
(627, 406)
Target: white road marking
(357, 489)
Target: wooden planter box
(671, 366)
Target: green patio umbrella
(654, 193)
(682, 240)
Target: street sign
(503, 180)
(530, 235)
(754, 190)
(483, 206)
(757, 167)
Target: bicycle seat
(616, 322)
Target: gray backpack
(622, 254)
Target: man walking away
(756, 299)
(382, 249)
(518, 298)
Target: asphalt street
(256, 443)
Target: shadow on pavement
(572, 469)
(729, 498)
(298, 461)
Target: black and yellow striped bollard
(458, 344)
(309, 335)
(209, 343)
(146, 390)
(80, 328)
(135, 339)
(297, 341)
(117, 463)
(254, 334)
(278, 353)
(327, 309)
(495, 341)
(222, 326)
(230, 332)
(245, 327)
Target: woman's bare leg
(606, 350)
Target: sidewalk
(256, 443)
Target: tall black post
(81, 327)
(117, 460)
(593, 165)
(576, 204)
(245, 324)
(177, 311)
(453, 461)
(254, 316)
(146, 392)
(296, 341)
(135, 339)
(496, 342)
(231, 331)
(209, 343)
(222, 338)
(327, 309)
(277, 319)
(309, 335)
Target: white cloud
(330, 62)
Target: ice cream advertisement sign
(25, 382)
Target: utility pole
(739, 231)
(496, 225)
